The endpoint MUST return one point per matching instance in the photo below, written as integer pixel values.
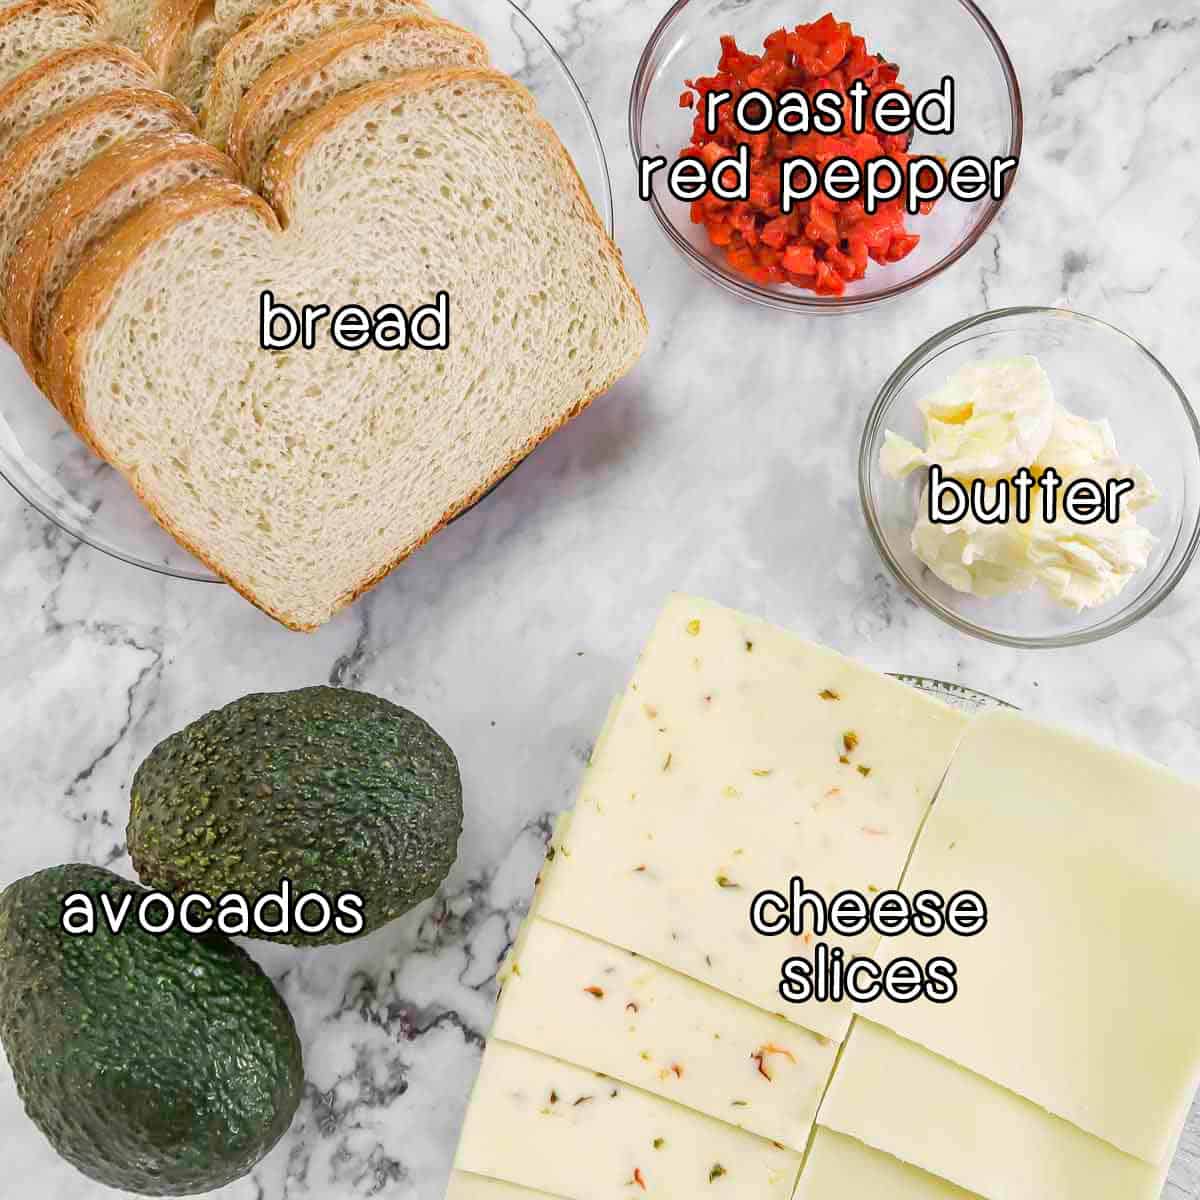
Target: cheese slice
(479, 1187)
(1081, 993)
(581, 1000)
(742, 756)
(553, 1127)
(897, 1097)
(840, 1168)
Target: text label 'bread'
(354, 327)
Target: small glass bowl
(928, 38)
(1097, 371)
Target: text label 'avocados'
(271, 915)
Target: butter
(987, 423)
(1084, 566)
(969, 556)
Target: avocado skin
(162, 1064)
(334, 790)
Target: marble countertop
(726, 475)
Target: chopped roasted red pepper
(822, 244)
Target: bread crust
(613, 253)
(219, 94)
(31, 147)
(63, 63)
(36, 252)
(168, 34)
(26, 10)
(316, 56)
(87, 299)
(42, 140)
(17, 12)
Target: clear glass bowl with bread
(53, 471)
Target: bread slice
(168, 30)
(304, 476)
(81, 213)
(209, 204)
(341, 60)
(277, 32)
(64, 79)
(128, 21)
(186, 35)
(118, 20)
(35, 29)
(190, 77)
(237, 14)
(57, 150)
(217, 23)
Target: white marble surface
(723, 466)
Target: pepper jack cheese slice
(546, 1125)
(742, 756)
(1081, 993)
(478, 1187)
(901, 1099)
(581, 1000)
(840, 1168)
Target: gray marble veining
(723, 466)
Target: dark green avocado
(333, 790)
(161, 1064)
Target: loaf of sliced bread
(305, 476)
(64, 79)
(84, 210)
(36, 29)
(274, 33)
(42, 161)
(334, 63)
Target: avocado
(159, 1063)
(334, 791)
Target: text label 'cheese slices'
(840, 1168)
(743, 756)
(921, 1108)
(570, 996)
(479, 1187)
(557, 1128)
(1081, 993)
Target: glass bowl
(965, 699)
(1097, 371)
(928, 38)
(51, 469)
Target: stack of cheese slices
(163, 163)
(642, 1048)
